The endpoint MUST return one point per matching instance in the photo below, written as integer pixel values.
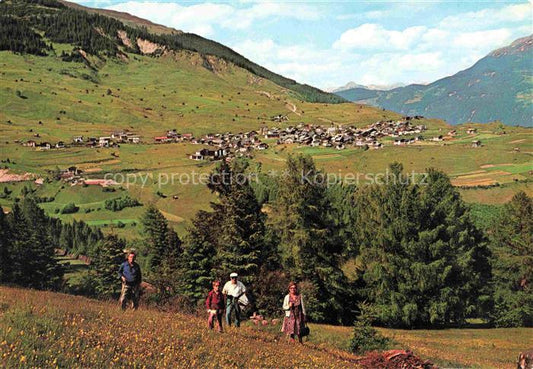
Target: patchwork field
(56, 100)
(163, 175)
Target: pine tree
(166, 277)
(32, 251)
(308, 246)
(109, 255)
(199, 256)
(230, 238)
(241, 231)
(342, 214)
(156, 233)
(22, 259)
(512, 244)
(425, 263)
(65, 238)
(47, 272)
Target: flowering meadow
(51, 330)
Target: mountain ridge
(97, 34)
(496, 87)
(124, 17)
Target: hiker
(215, 306)
(233, 290)
(294, 307)
(130, 274)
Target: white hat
(233, 275)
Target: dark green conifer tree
(199, 256)
(307, 242)
(166, 277)
(240, 236)
(425, 263)
(512, 245)
(106, 262)
(156, 236)
(33, 255)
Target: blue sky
(327, 44)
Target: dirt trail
(172, 217)
(326, 120)
(292, 108)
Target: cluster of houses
(115, 138)
(222, 145)
(339, 136)
(228, 145)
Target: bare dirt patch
(148, 47)
(327, 156)
(496, 165)
(473, 182)
(92, 170)
(124, 37)
(5, 176)
(484, 174)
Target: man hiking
(130, 274)
(233, 290)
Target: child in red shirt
(215, 306)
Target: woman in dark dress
(294, 307)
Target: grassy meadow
(448, 348)
(44, 329)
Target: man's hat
(233, 275)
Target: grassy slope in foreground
(47, 329)
(43, 329)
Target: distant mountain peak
(350, 85)
(347, 86)
(496, 87)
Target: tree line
(409, 253)
(17, 36)
(29, 240)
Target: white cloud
(375, 36)
(381, 51)
(423, 62)
(203, 18)
(482, 39)
(304, 63)
(487, 18)
(387, 68)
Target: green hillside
(92, 33)
(497, 87)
